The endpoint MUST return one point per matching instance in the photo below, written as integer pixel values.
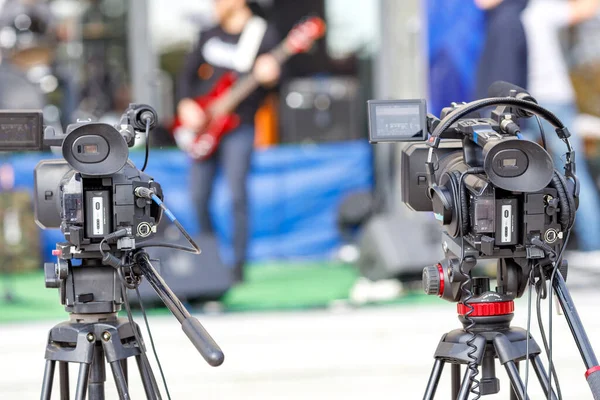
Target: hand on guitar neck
(266, 70)
(191, 115)
(203, 121)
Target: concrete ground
(340, 353)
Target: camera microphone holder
(94, 334)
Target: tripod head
(90, 287)
(446, 279)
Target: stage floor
(340, 353)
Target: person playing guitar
(239, 43)
(218, 127)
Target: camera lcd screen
(397, 120)
(20, 130)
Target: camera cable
(543, 292)
(465, 286)
(139, 297)
(542, 132)
(175, 246)
(147, 145)
(150, 195)
(138, 338)
(557, 264)
(173, 219)
(530, 282)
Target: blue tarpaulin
(455, 34)
(294, 195)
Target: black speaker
(353, 212)
(394, 246)
(321, 110)
(190, 276)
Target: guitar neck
(245, 86)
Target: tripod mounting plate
(116, 336)
(92, 318)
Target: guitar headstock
(304, 34)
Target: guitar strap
(249, 44)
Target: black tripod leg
(434, 379)
(455, 380)
(97, 375)
(151, 375)
(120, 380)
(48, 380)
(538, 367)
(515, 380)
(82, 381)
(581, 338)
(125, 371)
(465, 386)
(63, 370)
(513, 393)
(146, 380)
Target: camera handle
(592, 374)
(193, 329)
(52, 138)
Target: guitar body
(207, 140)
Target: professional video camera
(107, 210)
(497, 196)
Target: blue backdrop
(294, 195)
(455, 33)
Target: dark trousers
(233, 155)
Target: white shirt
(548, 75)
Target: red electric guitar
(228, 93)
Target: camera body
(496, 195)
(89, 194)
(87, 208)
(497, 222)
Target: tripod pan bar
(194, 330)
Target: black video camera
(497, 195)
(89, 194)
(107, 209)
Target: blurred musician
(239, 44)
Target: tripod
(94, 334)
(495, 338)
(89, 341)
